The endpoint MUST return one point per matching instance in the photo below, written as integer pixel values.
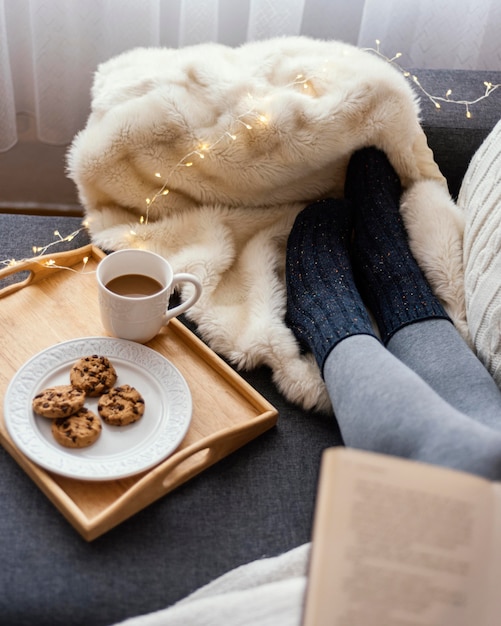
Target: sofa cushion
(480, 198)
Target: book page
(494, 579)
(398, 543)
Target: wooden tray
(54, 304)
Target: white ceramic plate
(120, 450)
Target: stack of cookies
(73, 424)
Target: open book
(401, 543)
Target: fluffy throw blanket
(206, 154)
(266, 592)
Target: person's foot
(390, 280)
(323, 303)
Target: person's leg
(381, 405)
(399, 295)
(389, 278)
(437, 353)
(319, 278)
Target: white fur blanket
(206, 154)
(266, 592)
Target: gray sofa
(257, 502)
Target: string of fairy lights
(204, 148)
(246, 121)
(436, 100)
(41, 251)
(200, 151)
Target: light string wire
(203, 149)
(41, 251)
(436, 100)
(200, 151)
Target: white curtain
(49, 49)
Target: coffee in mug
(134, 285)
(134, 288)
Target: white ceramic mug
(140, 316)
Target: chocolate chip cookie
(121, 406)
(94, 375)
(58, 401)
(77, 431)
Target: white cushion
(480, 198)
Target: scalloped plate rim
(165, 385)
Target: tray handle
(188, 462)
(206, 452)
(184, 465)
(42, 266)
(15, 269)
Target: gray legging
(425, 396)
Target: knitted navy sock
(323, 303)
(390, 280)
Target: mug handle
(181, 308)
